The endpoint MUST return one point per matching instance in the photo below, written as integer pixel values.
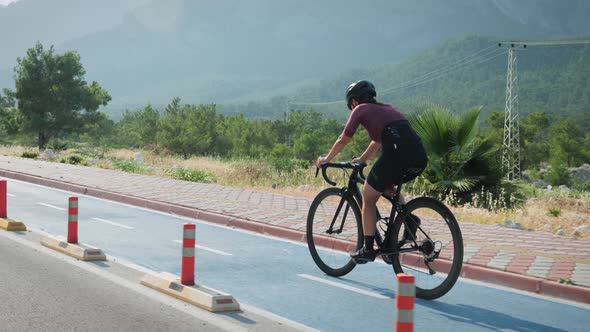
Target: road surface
(280, 277)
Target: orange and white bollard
(5, 222)
(187, 275)
(199, 295)
(3, 194)
(69, 245)
(404, 303)
(73, 220)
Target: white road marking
(340, 285)
(277, 318)
(135, 286)
(197, 221)
(52, 206)
(212, 318)
(203, 222)
(219, 252)
(525, 293)
(10, 195)
(112, 223)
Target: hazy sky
(6, 2)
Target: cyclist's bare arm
(340, 143)
(369, 152)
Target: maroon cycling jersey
(374, 117)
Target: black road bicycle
(421, 237)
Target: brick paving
(535, 254)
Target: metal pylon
(511, 152)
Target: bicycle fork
(331, 230)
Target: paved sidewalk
(521, 259)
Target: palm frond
(467, 128)
(458, 185)
(434, 125)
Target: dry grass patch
(15, 150)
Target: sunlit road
(280, 276)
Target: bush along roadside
(131, 166)
(30, 155)
(191, 174)
(74, 160)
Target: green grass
(555, 212)
(130, 166)
(74, 160)
(30, 155)
(191, 174)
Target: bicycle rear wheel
(437, 257)
(334, 229)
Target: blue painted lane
(280, 276)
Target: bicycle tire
(330, 254)
(428, 207)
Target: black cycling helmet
(362, 91)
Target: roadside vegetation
(193, 142)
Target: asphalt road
(42, 290)
(280, 277)
(44, 293)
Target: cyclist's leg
(369, 212)
(372, 190)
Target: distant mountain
(228, 50)
(54, 22)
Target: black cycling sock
(369, 241)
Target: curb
(79, 251)
(201, 296)
(469, 271)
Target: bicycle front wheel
(334, 229)
(431, 243)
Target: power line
(543, 43)
(401, 87)
(467, 61)
(293, 102)
(457, 64)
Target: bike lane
(279, 276)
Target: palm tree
(459, 161)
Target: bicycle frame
(390, 247)
(352, 190)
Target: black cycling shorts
(402, 159)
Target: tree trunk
(43, 140)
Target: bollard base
(77, 250)
(12, 225)
(200, 296)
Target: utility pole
(511, 142)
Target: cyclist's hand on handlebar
(358, 160)
(321, 160)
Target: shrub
(191, 174)
(129, 166)
(581, 186)
(555, 212)
(57, 145)
(558, 175)
(288, 165)
(30, 154)
(73, 159)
